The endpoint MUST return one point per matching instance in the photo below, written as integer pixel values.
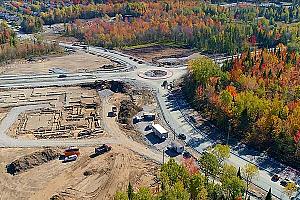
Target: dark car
(181, 136)
(187, 154)
(284, 182)
(275, 178)
(102, 149)
(62, 76)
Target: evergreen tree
(239, 173)
(130, 191)
(269, 195)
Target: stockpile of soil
(127, 110)
(115, 86)
(32, 160)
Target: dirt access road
(112, 128)
(87, 178)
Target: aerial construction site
(86, 122)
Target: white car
(70, 158)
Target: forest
(207, 27)
(12, 48)
(211, 29)
(204, 178)
(256, 97)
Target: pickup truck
(102, 149)
(70, 158)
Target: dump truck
(71, 151)
(159, 131)
(102, 149)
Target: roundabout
(155, 74)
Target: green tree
(232, 185)
(204, 68)
(171, 173)
(250, 171)
(209, 164)
(121, 196)
(222, 152)
(196, 187)
(177, 192)
(143, 194)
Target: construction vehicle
(71, 151)
(102, 149)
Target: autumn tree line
(193, 23)
(12, 48)
(255, 97)
(208, 28)
(206, 178)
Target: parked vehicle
(159, 131)
(62, 76)
(148, 116)
(187, 154)
(137, 119)
(71, 151)
(102, 149)
(111, 114)
(70, 158)
(181, 136)
(177, 147)
(284, 182)
(114, 109)
(275, 178)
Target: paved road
(174, 116)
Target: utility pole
(163, 156)
(228, 132)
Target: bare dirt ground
(153, 53)
(75, 62)
(72, 112)
(87, 178)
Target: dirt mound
(127, 110)
(115, 86)
(57, 197)
(32, 160)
